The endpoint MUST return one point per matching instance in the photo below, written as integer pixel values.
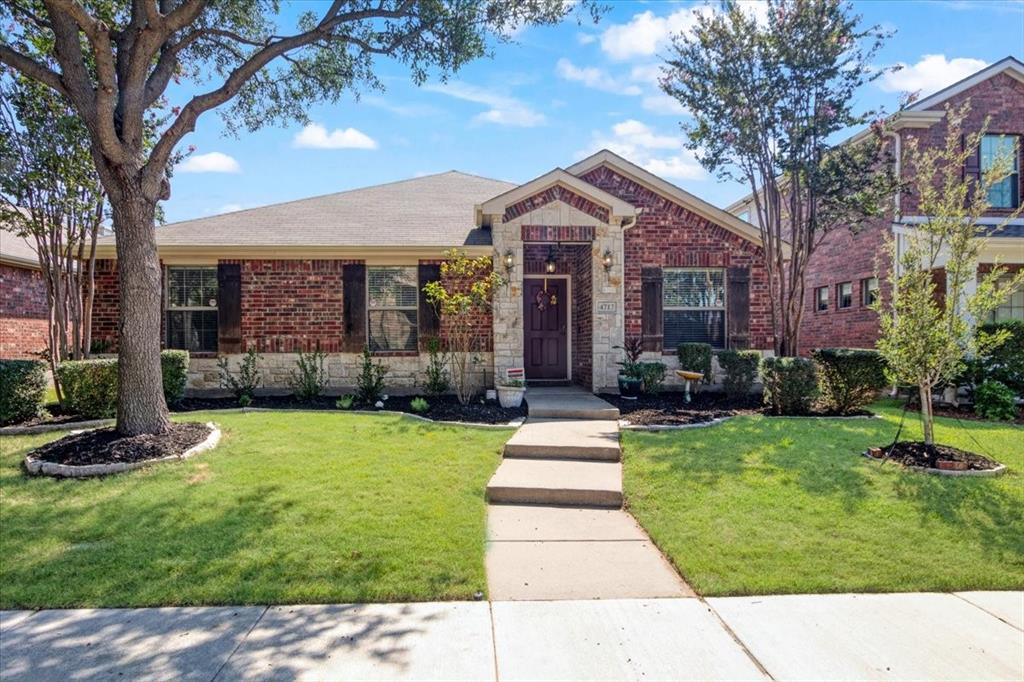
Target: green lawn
(291, 507)
(760, 506)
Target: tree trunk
(141, 408)
(926, 414)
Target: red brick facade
(668, 235)
(24, 313)
(847, 257)
(287, 305)
(556, 193)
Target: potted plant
(511, 392)
(631, 376)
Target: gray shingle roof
(434, 210)
(16, 249)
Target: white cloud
(593, 77)
(503, 109)
(229, 208)
(214, 162)
(646, 33)
(664, 105)
(661, 154)
(585, 38)
(315, 136)
(932, 73)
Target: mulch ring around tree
(107, 446)
(669, 408)
(441, 408)
(943, 458)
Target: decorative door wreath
(544, 298)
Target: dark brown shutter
(972, 167)
(737, 303)
(229, 308)
(353, 292)
(651, 323)
(429, 321)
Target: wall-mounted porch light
(510, 260)
(606, 260)
(549, 264)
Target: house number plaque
(606, 307)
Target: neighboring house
(593, 254)
(24, 312)
(843, 274)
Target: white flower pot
(511, 396)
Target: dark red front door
(545, 322)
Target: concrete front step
(559, 482)
(569, 402)
(566, 439)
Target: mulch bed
(918, 454)
(442, 408)
(107, 446)
(669, 408)
(965, 412)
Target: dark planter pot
(630, 387)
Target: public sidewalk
(973, 635)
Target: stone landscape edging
(978, 473)
(38, 467)
(624, 424)
(61, 426)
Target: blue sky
(553, 96)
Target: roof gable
(1009, 65)
(557, 185)
(666, 189)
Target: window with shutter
(1006, 192)
(191, 308)
(693, 301)
(392, 308)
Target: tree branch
(32, 69)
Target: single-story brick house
(593, 253)
(24, 311)
(843, 274)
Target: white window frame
(415, 308)
(724, 308)
(817, 299)
(839, 296)
(168, 308)
(1014, 177)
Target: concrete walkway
(973, 635)
(556, 528)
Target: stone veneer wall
(24, 313)
(406, 374)
(605, 289)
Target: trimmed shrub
(695, 357)
(1004, 363)
(309, 378)
(370, 382)
(22, 390)
(437, 376)
(790, 384)
(90, 386)
(653, 375)
(994, 400)
(849, 378)
(740, 367)
(248, 379)
(419, 405)
(174, 368)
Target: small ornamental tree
(768, 98)
(463, 298)
(925, 336)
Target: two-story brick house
(844, 273)
(594, 253)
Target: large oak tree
(113, 60)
